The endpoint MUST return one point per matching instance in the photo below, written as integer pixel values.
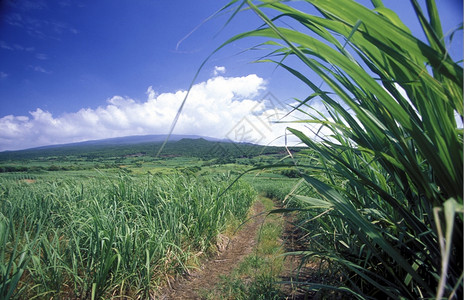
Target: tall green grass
(106, 237)
(273, 188)
(385, 183)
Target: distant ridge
(205, 148)
(128, 140)
(178, 145)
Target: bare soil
(230, 253)
(28, 180)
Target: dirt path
(241, 245)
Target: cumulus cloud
(221, 107)
(219, 70)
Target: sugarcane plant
(385, 180)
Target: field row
(108, 236)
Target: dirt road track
(240, 246)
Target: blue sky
(78, 70)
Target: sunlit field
(366, 204)
(109, 235)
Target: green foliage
(224, 152)
(109, 235)
(263, 287)
(386, 179)
(291, 173)
(186, 155)
(191, 170)
(16, 249)
(273, 188)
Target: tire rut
(239, 246)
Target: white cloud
(220, 107)
(6, 46)
(219, 70)
(40, 69)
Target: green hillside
(181, 152)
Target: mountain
(127, 140)
(149, 145)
